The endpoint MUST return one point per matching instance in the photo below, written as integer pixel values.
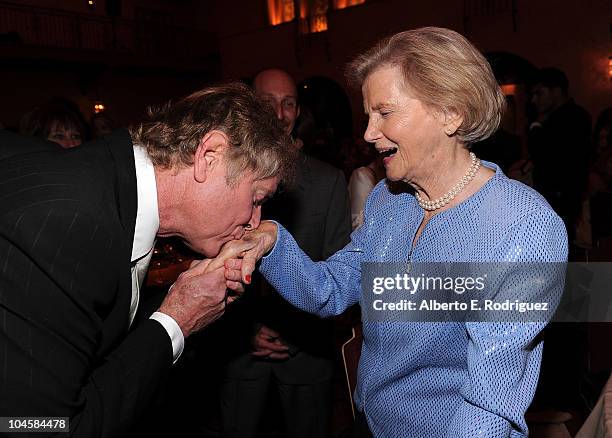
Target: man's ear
(209, 154)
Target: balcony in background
(31, 34)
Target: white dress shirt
(147, 225)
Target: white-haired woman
(428, 94)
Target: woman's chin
(392, 177)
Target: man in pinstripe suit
(77, 228)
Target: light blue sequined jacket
(434, 379)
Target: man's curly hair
(172, 133)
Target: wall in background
(237, 42)
(573, 36)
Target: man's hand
(240, 256)
(199, 296)
(268, 344)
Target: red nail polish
(247, 278)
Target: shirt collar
(147, 214)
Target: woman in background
(56, 122)
(362, 181)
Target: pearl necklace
(450, 195)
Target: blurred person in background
(101, 125)
(559, 143)
(600, 178)
(290, 352)
(55, 121)
(362, 181)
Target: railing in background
(35, 26)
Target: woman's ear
(209, 154)
(452, 122)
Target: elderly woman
(429, 94)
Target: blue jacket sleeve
(323, 288)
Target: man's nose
(278, 109)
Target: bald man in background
(291, 351)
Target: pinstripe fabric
(66, 229)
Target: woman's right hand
(241, 256)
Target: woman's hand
(240, 256)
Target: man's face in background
(545, 99)
(278, 89)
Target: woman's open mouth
(387, 153)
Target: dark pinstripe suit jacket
(67, 221)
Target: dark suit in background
(560, 149)
(317, 213)
(66, 231)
